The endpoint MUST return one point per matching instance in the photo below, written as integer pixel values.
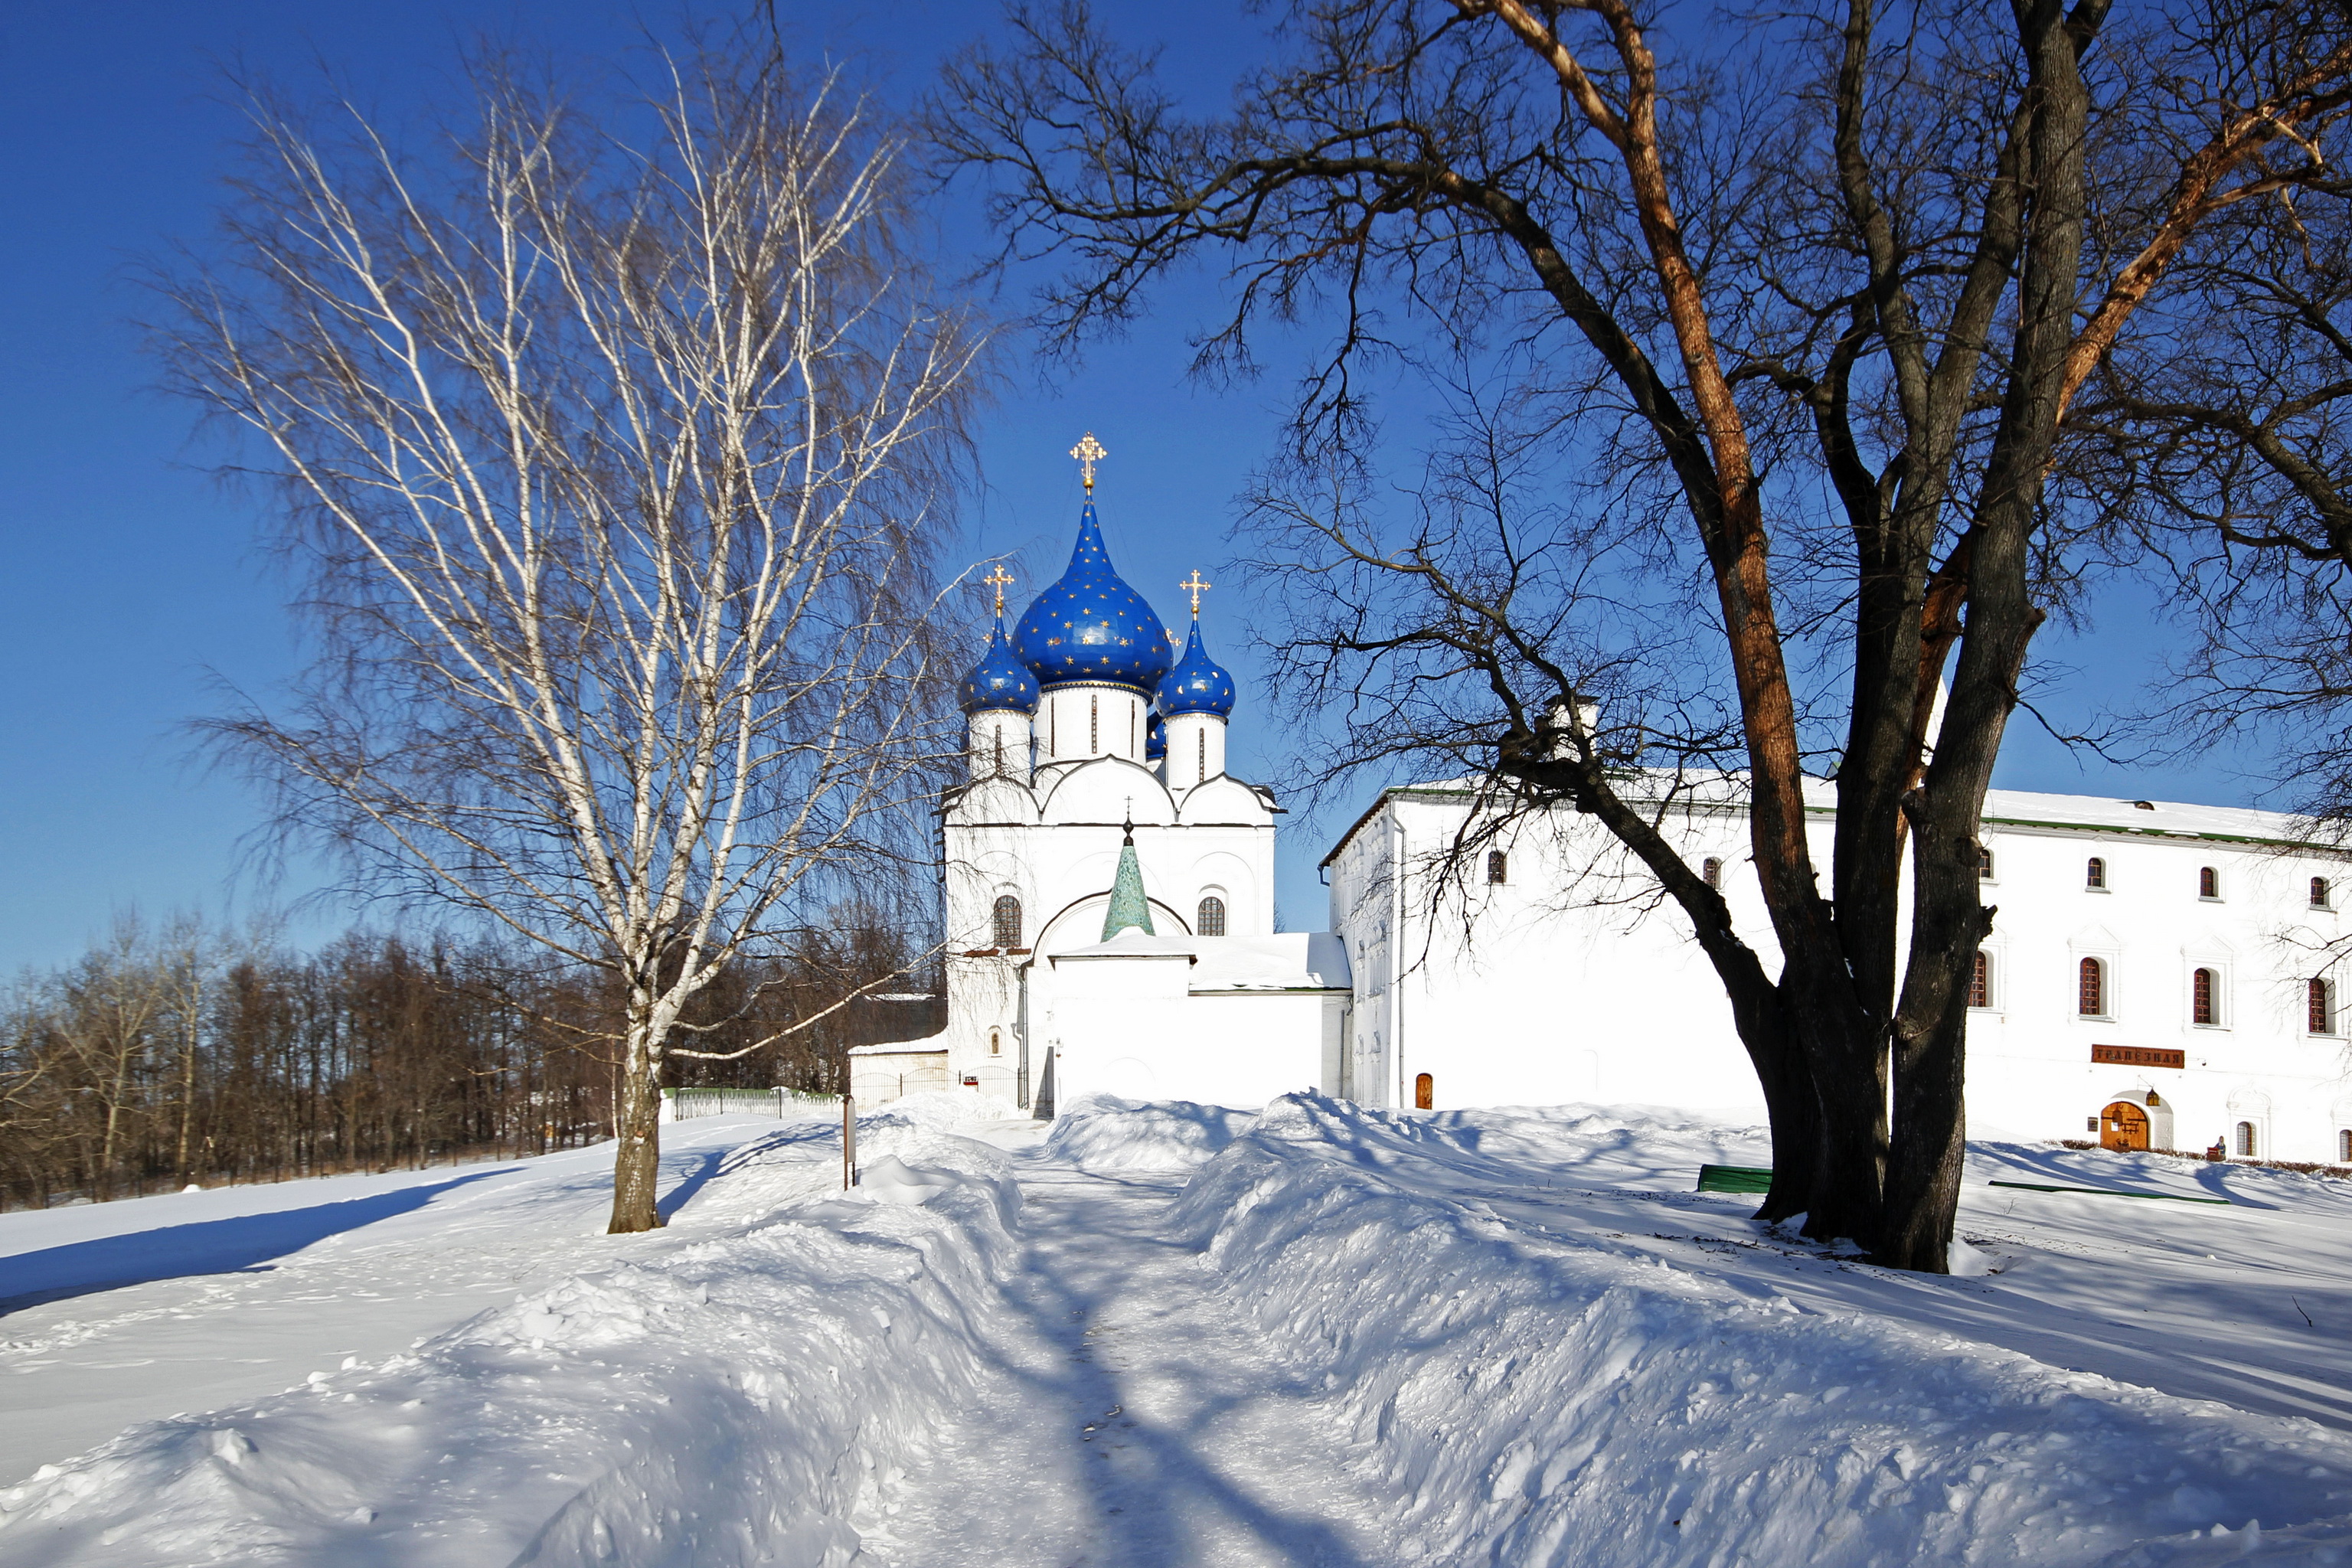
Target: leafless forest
(176, 1053)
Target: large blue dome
(1198, 684)
(1091, 626)
(999, 681)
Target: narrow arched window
(2091, 989)
(995, 1042)
(1008, 921)
(2319, 1004)
(2095, 873)
(2208, 882)
(2319, 892)
(1984, 862)
(1710, 871)
(2201, 997)
(2246, 1149)
(2343, 1145)
(1201, 751)
(1980, 981)
(1498, 867)
(1212, 920)
(1093, 723)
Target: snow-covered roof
(1289, 960)
(2002, 808)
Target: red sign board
(2139, 1057)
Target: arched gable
(1079, 923)
(1106, 789)
(995, 801)
(1223, 801)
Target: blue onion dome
(1090, 625)
(999, 681)
(1155, 740)
(1198, 684)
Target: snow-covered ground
(1172, 1334)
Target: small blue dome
(1198, 684)
(1090, 625)
(998, 681)
(1155, 740)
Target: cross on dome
(1088, 452)
(1196, 586)
(999, 580)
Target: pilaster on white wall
(997, 743)
(1080, 722)
(1196, 749)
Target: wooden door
(1425, 1093)
(2123, 1125)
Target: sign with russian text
(2139, 1057)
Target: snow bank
(944, 1107)
(1556, 1400)
(1105, 1132)
(744, 1399)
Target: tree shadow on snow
(237, 1245)
(1153, 1490)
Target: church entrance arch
(2123, 1125)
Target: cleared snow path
(1145, 1422)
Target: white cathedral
(2159, 975)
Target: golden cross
(1196, 588)
(1001, 579)
(1088, 452)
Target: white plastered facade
(1235, 1017)
(1570, 981)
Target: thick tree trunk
(636, 1120)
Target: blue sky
(131, 586)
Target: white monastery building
(2157, 976)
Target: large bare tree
(1817, 289)
(613, 433)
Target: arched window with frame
(1211, 916)
(1980, 981)
(2343, 1145)
(995, 1042)
(2319, 893)
(1710, 871)
(1008, 921)
(2208, 882)
(2247, 1148)
(2202, 1007)
(1984, 864)
(2095, 873)
(2091, 988)
(1498, 867)
(2319, 1006)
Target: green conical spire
(1128, 905)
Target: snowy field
(1169, 1334)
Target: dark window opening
(1498, 867)
(2201, 997)
(1980, 981)
(2208, 882)
(2091, 989)
(2095, 874)
(1710, 871)
(1211, 919)
(1008, 921)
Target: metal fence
(686, 1103)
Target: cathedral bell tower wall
(1196, 749)
(1087, 719)
(997, 745)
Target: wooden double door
(2123, 1125)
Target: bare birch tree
(613, 444)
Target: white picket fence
(684, 1104)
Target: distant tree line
(181, 1053)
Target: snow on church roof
(2014, 809)
(1290, 961)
